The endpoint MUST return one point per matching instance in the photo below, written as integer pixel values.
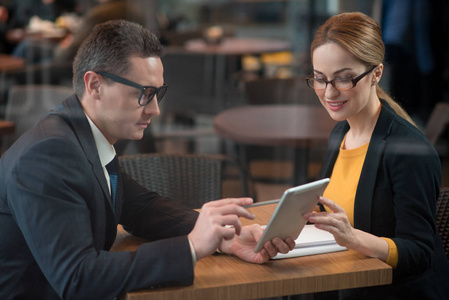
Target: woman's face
(331, 61)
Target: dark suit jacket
(396, 198)
(57, 224)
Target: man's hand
(243, 245)
(211, 227)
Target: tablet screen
(287, 220)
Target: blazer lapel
(367, 181)
(335, 139)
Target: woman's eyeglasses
(341, 84)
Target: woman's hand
(335, 222)
(345, 235)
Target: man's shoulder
(48, 128)
(48, 134)
(49, 145)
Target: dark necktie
(112, 168)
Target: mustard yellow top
(343, 187)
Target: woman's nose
(331, 91)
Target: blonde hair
(361, 36)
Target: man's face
(120, 115)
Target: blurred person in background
(107, 10)
(413, 33)
(64, 51)
(19, 13)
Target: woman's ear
(378, 71)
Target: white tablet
(287, 220)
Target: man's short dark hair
(109, 48)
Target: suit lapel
(84, 133)
(73, 113)
(104, 227)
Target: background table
(223, 276)
(299, 126)
(224, 59)
(238, 46)
(9, 62)
(6, 127)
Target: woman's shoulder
(403, 138)
(398, 126)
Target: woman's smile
(336, 105)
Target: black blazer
(57, 223)
(396, 198)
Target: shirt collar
(105, 150)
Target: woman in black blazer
(385, 175)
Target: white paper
(312, 241)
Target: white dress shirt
(106, 151)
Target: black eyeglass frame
(142, 88)
(354, 80)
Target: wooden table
(9, 62)
(223, 276)
(6, 127)
(293, 125)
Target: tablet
(287, 220)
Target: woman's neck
(362, 126)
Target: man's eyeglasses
(341, 84)
(146, 92)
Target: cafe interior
(238, 118)
(236, 73)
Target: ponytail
(396, 106)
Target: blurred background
(222, 55)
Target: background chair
(189, 178)
(437, 132)
(443, 218)
(190, 78)
(190, 96)
(27, 103)
(437, 127)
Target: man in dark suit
(60, 206)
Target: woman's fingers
(334, 207)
